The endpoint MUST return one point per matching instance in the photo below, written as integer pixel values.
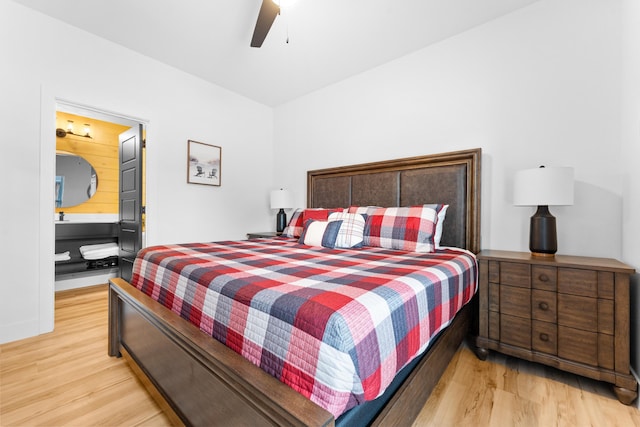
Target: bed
(199, 381)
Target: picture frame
(204, 163)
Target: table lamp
(543, 187)
(281, 199)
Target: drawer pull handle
(544, 278)
(544, 337)
(543, 306)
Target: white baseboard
(84, 281)
(18, 331)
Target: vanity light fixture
(87, 130)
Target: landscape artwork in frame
(204, 163)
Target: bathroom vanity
(71, 235)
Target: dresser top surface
(558, 260)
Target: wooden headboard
(449, 178)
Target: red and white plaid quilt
(334, 324)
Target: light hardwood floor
(65, 378)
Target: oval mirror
(76, 180)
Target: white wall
(542, 85)
(45, 59)
(538, 86)
(631, 155)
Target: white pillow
(320, 233)
(438, 234)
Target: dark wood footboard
(199, 381)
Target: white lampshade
(550, 186)
(281, 199)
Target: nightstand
(568, 312)
(263, 234)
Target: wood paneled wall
(101, 150)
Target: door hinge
(143, 210)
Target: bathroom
(87, 194)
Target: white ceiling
(329, 40)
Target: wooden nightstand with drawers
(568, 312)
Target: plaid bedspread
(336, 325)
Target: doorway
(96, 223)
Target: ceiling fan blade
(268, 12)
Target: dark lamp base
(542, 233)
(281, 220)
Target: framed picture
(204, 163)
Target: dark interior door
(130, 234)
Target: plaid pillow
(294, 228)
(300, 217)
(351, 232)
(364, 210)
(410, 228)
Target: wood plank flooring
(506, 391)
(65, 378)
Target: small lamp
(543, 187)
(281, 199)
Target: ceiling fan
(268, 12)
